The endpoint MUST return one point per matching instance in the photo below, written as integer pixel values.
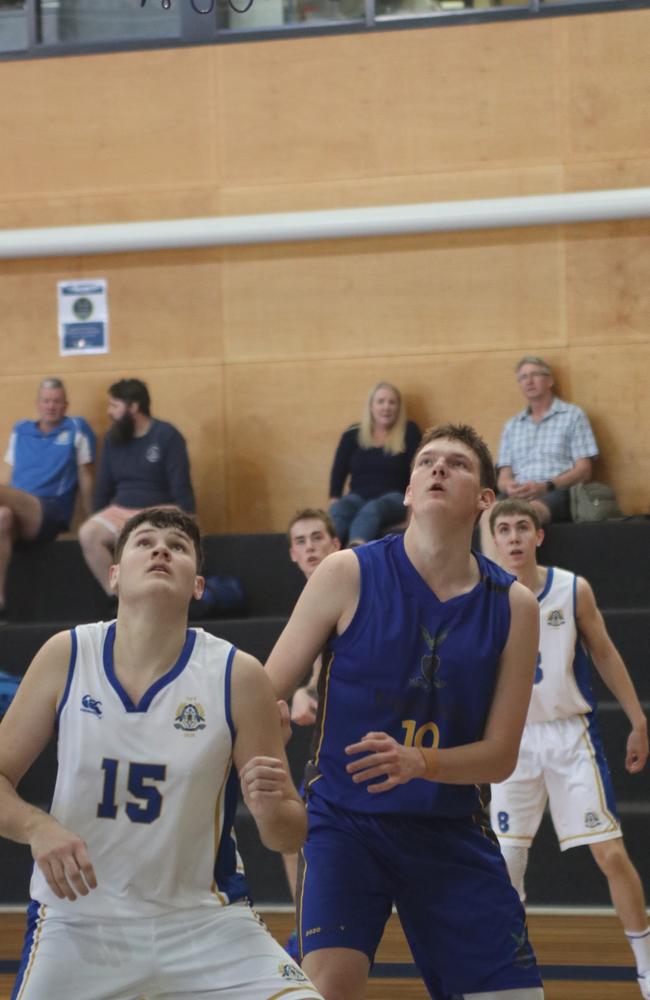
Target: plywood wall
(262, 355)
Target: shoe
(291, 947)
(644, 985)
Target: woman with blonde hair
(376, 456)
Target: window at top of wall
(13, 25)
(70, 21)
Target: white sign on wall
(83, 316)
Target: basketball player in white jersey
(138, 892)
(561, 756)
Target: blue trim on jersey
(593, 729)
(228, 693)
(228, 880)
(149, 695)
(30, 933)
(547, 585)
(71, 666)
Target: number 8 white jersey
(149, 787)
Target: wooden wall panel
(390, 103)
(409, 295)
(262, 355)
(107, 122)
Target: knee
(610, 856)
(91, 534)
(7, 521)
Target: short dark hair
(511, 507)
(318, 514)
(472, 440)
(132, 390)
(162, 517)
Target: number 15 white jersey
(149, 787)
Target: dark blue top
(146, 471)
(419, 669)
(372, 472)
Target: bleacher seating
(50, 589)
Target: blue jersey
(420, 669)
(45, 464)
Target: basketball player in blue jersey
(561, 757)
(423, 698)
(137, 889)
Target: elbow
(503, 765)
(289, 840)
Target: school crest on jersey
(153, 453)
(555, 618)
(430, 662)
(292, 972)
(190, 717)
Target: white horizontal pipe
(287, 227)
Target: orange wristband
(429, 757)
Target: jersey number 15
(145, 811)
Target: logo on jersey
(523, 952)
(63, 437)
(190, 717)
(91, 705)
(430, 662)
(592, 819)
(555, 618)
(152, 453)
(292, 972)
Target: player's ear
(336, 542)
(486, 499)
(114, 577)
(408, 496)
(199, 587)
(540, 536)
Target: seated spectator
(50, 459)
(376, 455)
(546, 448)
(144, 463)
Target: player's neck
(443, 558)
(532, 576)
(147, 644)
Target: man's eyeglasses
(526, 375)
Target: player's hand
(263, 784)
(63, 858)
(285, 722)
(637, 750)
(304, 707)
(384, 758)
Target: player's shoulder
(25, 427)
(492, 575)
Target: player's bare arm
(612, 669)
(493, 758)
(328, 601)
(60, 854)
(259, 757)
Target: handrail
(343, 223)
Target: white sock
(640, 945)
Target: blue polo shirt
(45, 464)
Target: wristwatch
(550, 485)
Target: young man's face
(157, 561)
(310, 543)
(516, 539)
(51, 405)
(446, 476)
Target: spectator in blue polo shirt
(546, 448)
(50, 458)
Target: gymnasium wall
(262, 355)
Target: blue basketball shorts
(461, 916)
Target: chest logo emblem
(430, 662)
(555, 618)
(91, 705)
(190, 717)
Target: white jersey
(149, 787)
(562, 686)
